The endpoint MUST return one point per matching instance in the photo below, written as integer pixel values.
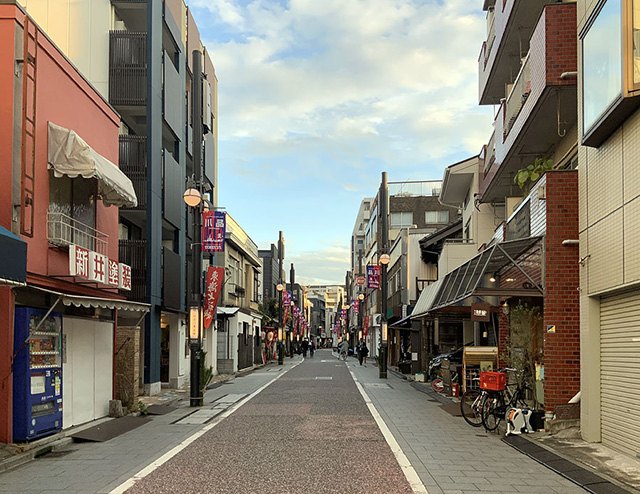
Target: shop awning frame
(68, 154)
(466, 280)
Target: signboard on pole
(360, 280)
(214, 285)
(373, 277)
(213, 231)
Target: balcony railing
(127, 68)
(490, 153)
(491, 34)
(133, 163)
(134, 254)
(65, 231)
(518, 95)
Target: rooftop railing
(415, 189)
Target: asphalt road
(310, 431)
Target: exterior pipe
(568, 75)
(570, 242)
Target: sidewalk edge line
(409, 472)
(127, 484)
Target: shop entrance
(164, 353)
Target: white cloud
(339, 90)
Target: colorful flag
(373, 277)
(213, 231)
(214, 284)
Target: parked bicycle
(471, 405)
(501, 396)
(438, 383)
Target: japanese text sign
(373, 277)
(213, 231)
(214, 285)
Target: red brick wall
(562, 301)
(503, 335)
(561, 43)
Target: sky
(316, 98)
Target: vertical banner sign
(213, 231)
(356, 306)
(365, 326)
(214, 284)
(286, 301)
(296, 319)
(373, 277)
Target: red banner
(365, 326)
(214, 284)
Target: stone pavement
(83, 468)
(450, 456)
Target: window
(436, 217)
(602, 63)
(401, 220)
(610, 67)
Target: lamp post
(384, 260)
(360, 330)
(280, 287)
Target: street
(315, 426)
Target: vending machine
(37, 373)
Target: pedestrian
(363, 351)
(305, 347)
(312, 348)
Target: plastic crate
(492, 381)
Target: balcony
(133, 163)
(509, 27)
(64, 231)
(541, 106)
(134, 254)
(128, 68)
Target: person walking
(312, 347)
(363, 351)
(305, 347)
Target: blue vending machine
(37, 374)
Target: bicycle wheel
(437, 384)
(493, 410)
(524, 398)
(471, 407)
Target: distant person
(312, 348)
(363, 351)
(343, 349)
(305, 347)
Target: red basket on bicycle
(493, 381)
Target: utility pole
(384, 212)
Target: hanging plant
(528, 176)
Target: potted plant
(526, 177)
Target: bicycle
(438, 383)
(494, 406)
(343, 356)
(471, 405)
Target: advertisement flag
(214, 284)
(356, 306)
(365, 326)
(213, 231)
(373, 277)
(286, 301)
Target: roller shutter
(620, 371)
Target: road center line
(409, 472)
(127, 484)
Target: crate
(492, 381)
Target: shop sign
(214, 284)
(213, 231)
(360, 280)
(98, 268)
(373, 277)
(481, 312)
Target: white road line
(127, 484)
(409, 472)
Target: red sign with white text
(214, 285)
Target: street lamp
(280, 287)
(193, 199)
(384, 260)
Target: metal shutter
(620, 371)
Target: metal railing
(491, 33)
(134, 254)
(64, 231)
(133, 163)
(127, 68)
(490, 153)
(517, 96)
(415, 189)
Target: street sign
(360, 280)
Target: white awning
(69, 155)
(104, 303)
(226, 311)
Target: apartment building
(608, 145)
(138, 55)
